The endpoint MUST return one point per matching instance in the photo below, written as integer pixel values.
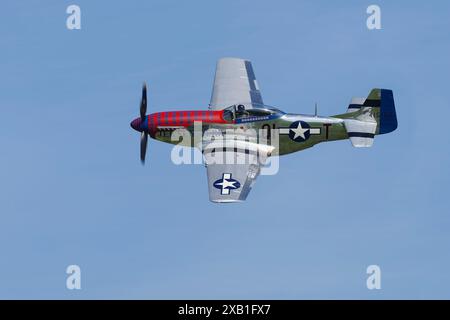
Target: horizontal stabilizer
(355, 104)
(360, 133)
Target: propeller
(143, 111)
(143, 108)
(144, 138)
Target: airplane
(236, 103)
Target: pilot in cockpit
(235, 112)
(241, 112)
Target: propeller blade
(143, 108)
(144, 137)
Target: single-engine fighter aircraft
(236, 103)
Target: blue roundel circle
(299, 131)
(226, 184)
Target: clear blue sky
(72, 189)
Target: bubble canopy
(238, 111)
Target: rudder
(388, 116)
(382, 103)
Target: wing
(234, 83)
(231, 182)
(232, 168)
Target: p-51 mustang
(236, 102)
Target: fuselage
(295, 131)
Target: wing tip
(232, 59)
(226, 200)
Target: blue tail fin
(388, 116)
(381, 102)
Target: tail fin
(376, 115)
(387, 117)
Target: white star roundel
(226, 184)
(299, 131)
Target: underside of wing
(231, 182)
(232, 171)
(233, 167)
(234, 83)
